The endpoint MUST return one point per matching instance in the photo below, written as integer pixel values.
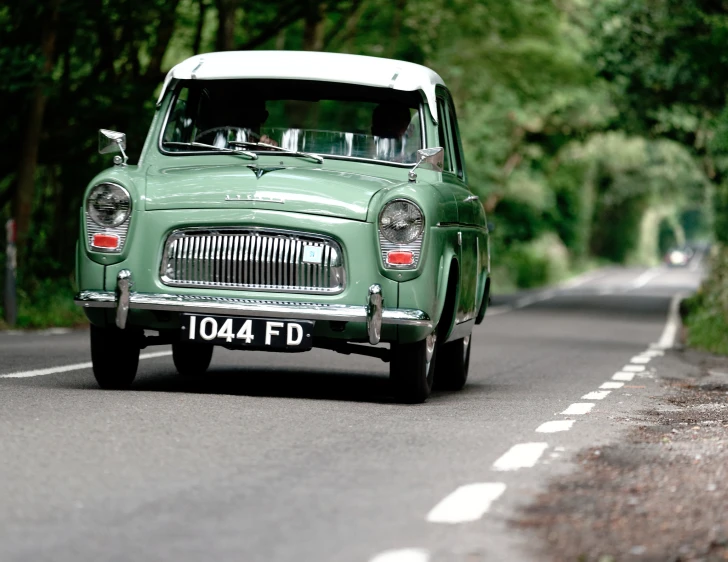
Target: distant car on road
(679, 257)
(284, 201)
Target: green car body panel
(338, 198)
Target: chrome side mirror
(430, 159)
(113, 141)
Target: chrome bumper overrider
(373, 312)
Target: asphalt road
(306, 457)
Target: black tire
(191, 359)
(114, 356)
(410, 372)
(451, 371)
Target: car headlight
(108, 205)
(401, 221)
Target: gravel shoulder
(660, 493)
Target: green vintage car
(284, 201)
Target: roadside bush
(47, 303)
(705, 315)
(531, 264)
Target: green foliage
(46, 303)
(705, 315)
(526, 265)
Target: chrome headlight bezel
(96, 227)
(413, 246)
(387, 233)
(123, 200)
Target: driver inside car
(232, 115)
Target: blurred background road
(277, 457)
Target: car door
(470, 211)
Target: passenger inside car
(390, 122)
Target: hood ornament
(261, 171)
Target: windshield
(326, 119)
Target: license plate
(253, 333)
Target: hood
(312, 191)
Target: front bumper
(372, 312)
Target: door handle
(470, 198)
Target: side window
(457, 144)
(443, 136)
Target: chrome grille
(252, 259)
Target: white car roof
(309, 65)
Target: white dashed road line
(403, 555)
(578, 409)
(74, 367)
(467, 503)
(555, 426)
(645, 278)
(641, 359)
(523, 455)
(633, 368)
(622, 376)
(611, 385)
(596, 395)
(667, 339)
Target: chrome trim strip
(461, 330)
(249, 307)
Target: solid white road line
(622, 376)
(496, 310)
(403, 555)
(645, 278)
(582, 279)
(611, 385)
(641, 359)
(633, 368)
(533, 299)
(667, 339)
(74, 367)
(523, 455)
(596, 395)
(467, 503)
(555, 426)
(578, 409)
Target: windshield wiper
(251, 155)
(317, 157)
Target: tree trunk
(200, 25)
(25, 187)
(313, 31)
(163, 36)
(399, 9)
(225, 40)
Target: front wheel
(451, 371)
(114, 356)
(191, 359)
(412, 369)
